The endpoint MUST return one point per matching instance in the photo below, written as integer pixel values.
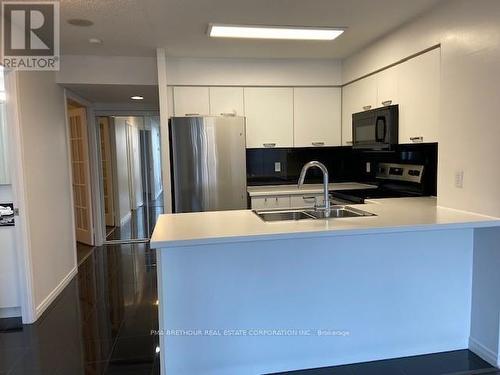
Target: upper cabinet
(414, 85)
(269, 117)
(357, 97)
(191, 101)
(226, 100)
(317, 117)
(419, 103)
(387, 86)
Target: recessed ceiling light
(80, 22)
(95, 41)
(137, 97)
(273, 32)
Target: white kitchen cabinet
(270, 202)
(387, 86)
(414, 85)
(269, 117)
(356, 97)
(418, 91)
(191, 101)
(317, 117)
(226, 100)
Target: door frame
(83, 114)
(109, 149)
(100, 196)
(93, 147)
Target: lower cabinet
(270, 202)
(309, 200)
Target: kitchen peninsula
(238, 295)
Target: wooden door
(81, 175)
(107, 172)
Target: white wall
(128, 160)
(123, 70)
(134, 125)
(485, 312)
(249, 72)
(469, 34)
(122, 183)
(156, 178)
(46, 170)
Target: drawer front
(270, 202)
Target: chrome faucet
(302, 177)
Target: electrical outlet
(459, 179)
(368, 167)
(277, 166)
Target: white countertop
(256, 191)
(393, 215)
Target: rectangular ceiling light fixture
(273, 32)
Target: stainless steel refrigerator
(208, 161)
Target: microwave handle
(380, 121)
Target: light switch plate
(277, 166)
(459, 179)
(368, 167)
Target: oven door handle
(380, 121)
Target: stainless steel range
(393, 181)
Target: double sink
(310, 214)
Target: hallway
(100, 324)
(141, 223)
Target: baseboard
(125, 219)
(53, 295)
(10, 312)
(485, 353)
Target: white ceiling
(138, 27)
(119, 94)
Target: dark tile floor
(100, 324)
(141, 223)
(459, 362)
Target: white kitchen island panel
(384, 295)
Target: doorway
(80, 167)
(131, 180)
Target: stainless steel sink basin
(335, 212)
(339, 211)
(283, 215)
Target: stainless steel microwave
(375, 129)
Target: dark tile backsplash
(343, 163)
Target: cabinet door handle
(387, 102)
(269, 145)
(191, 114)
(318, 143)
(349, 142)
(417, 139)
(309, 199)
(367, 107)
